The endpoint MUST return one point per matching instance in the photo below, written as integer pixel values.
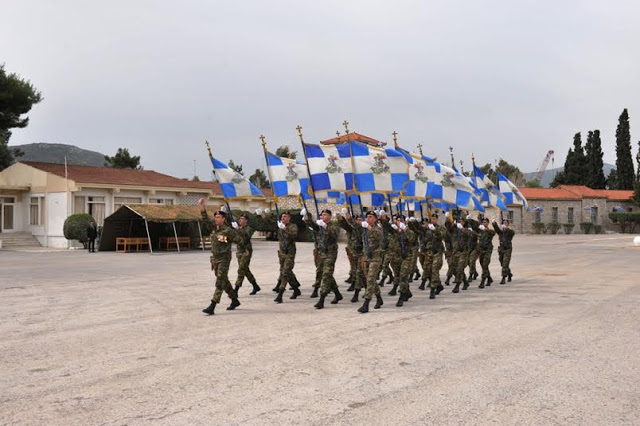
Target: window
(121, 201)
(554, 214)
(95, 206)
(594, 215)
(538, 216)
(510, 216)
(166, 201)
(36, 211)
(570, 215)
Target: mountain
(55, 153)
(550, 174)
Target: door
(7, 217)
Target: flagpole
(273, 194)
(218, 179)
(304, 152)
(345, 123)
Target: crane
(543, 166)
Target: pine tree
(636, 195)
(624, 161)
(575, 168)
(595, 175)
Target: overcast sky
(508, 79)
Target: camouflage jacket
(472, 241)
(418, 229)
(244, 239)
(485, 239)
(393, 242)
(459, 237)
(287, 238)
(221, 239)
(506, 236)
(327, 237)
(372, 242)
(354, 234)
(434, 239)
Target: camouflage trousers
(287, 262)
(360, 274)
(244, 259)
(421, 256)
(384, 266)
(505, 260)
(485, 260)
(352, 261)
(221, 269)
(436, 266)
(452, 258)
(328, 262)
(319, 266)
(414, 256)
(473, 258)
(427, 262)
(406, 268)
(372, 268)
(395, 261)
(462, 260)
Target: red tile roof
(582, 191)
(351, 137)
(548, 194)
(616, 194)
(574, 192)
(110, 176)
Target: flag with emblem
(490, 195)
(289, 176)
(512, 195)
(329, 167)
(232, 183)
(449, 185)
(378, 169)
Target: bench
(170, 244)
(127, 245)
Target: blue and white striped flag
(369, 199)
(452, 187)
(378, 169)
(490, 196)
(418, 179)
(330, 167)
(512, 195)
(289, 176)
(232, 183)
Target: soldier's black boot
(349, 280)
(256, 288)
(382, 280)
(352, 286)
(365, 307)
(236, 289)
(338, 297)
(482, 282)
(354, 299)
(417, 275)
(278, 298)
(400, 301)
(489, 280)
(509, 277)
(390, 278)
(394, 290)
(296, 283)
(314, 293)
(502, 281)
(320, 303)
(296, 293)
(379, 302)
(408, 295)
(432, 294)
(277, 287)
(448, 280)
(210, 309)
(439, 288)
(422, 284)
(466, 284)
(234, 304)
(456, 289)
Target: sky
(493, 78)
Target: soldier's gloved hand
(365, 225)
(502, 227)
(459, 225)
(281, 225)
(303, 212)
(433, 228)
(321, 223)
(412, 219)
(402, 226)
(481, 227)
(394, 226)
(234, 225)
(344, 211)
(446, 214)
(267, 210)
(258, 211)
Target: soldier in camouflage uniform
(328, 233)
(354, 230)
(407, 241)
(461, 248)
(504, 249)
(243, 254)
(474, 251)
(316, 259)
(418, 228)
(448, 253)
(485, 245)
(221, 238)
(372, 245)
(386, 258)
(352, 266)
(287, 233)
(392, 253)
(434, 234)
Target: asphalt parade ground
(120, 339)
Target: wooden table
(170, 244)
(126, 245)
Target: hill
(549, 174)
(55, 153)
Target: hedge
(628, 221)
(75, 227)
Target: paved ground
(120, 339)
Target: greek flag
(369, 199)
(490, 196)
(452, 187)
(330, 167)
(512, 195)
(418, 179)
(232, 183)
(378, 169)
(289, 177)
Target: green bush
(586, 227)
(628, 221)
(75, 227)
(568, 228)
(539, 228)
(597, 229)
(553, 227)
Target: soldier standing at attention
(372, 242)
(407, 240)
(328, 234)
(504, 249)
(221, 238)
(243, 254)
(287, 234)
(435, 233)
(485, 245)
(353, 227)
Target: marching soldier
(222, 236)
(386, 257)
(372, 242)
(448, 251)
(434, 234)
(504, 249)
(485, 245)
(407, 242)
(474, 250)
(354, 229)
(393, 251)
(287, 234)
(328, 236)
(243, 254)
(459, 253)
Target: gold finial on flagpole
(420, 149)
(337, 133)
(345, 123)
(299, 129)
(208, 149)
(395, 138)
(264, 144)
